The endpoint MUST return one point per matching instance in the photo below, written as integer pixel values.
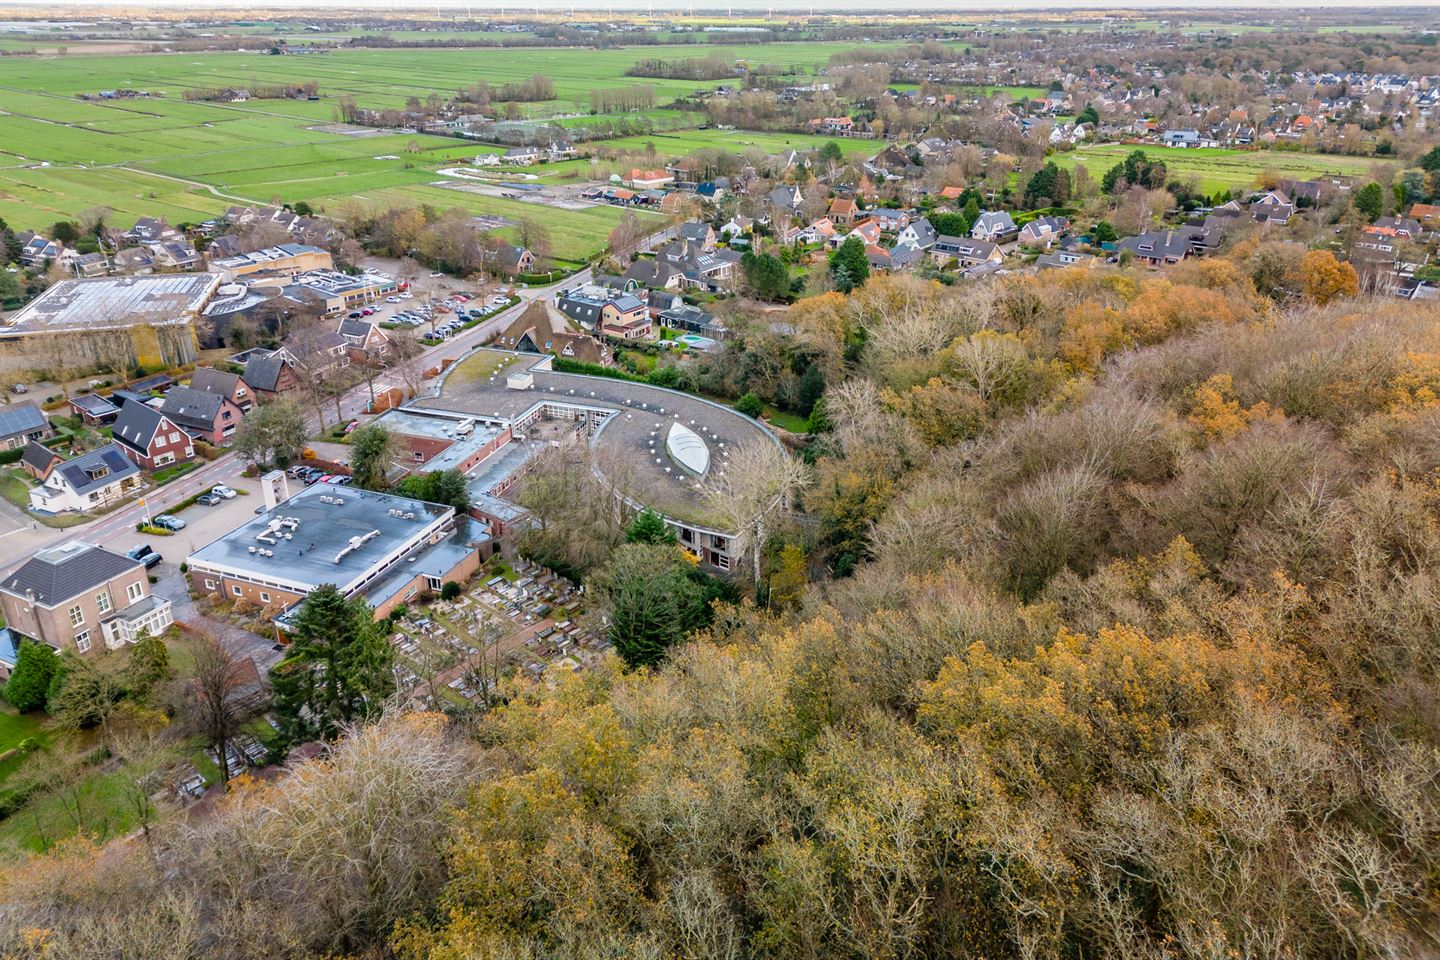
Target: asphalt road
(116, 530)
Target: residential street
(21, 535)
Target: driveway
(241, 643)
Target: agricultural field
(688, 141)
(42, 196)
(186, 161)
(1219, 168)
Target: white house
(992, 226)
(90, 480)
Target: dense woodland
(1120, 643)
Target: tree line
(714, 66)
(264, 91)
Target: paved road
(116, 530)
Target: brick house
(211, 417)
(75, 595)
(227, 384)
(271, 375)
(38, 460)
(364, 341)
(151, 439)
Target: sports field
(186, 161)
(1218, 168)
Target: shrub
(450, 590)
(35, 666)
(750, 405)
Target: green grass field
(1218, 168)
(187, 161)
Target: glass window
(82, 641)
(134, 591)
(77, 616)
(235, 589)
(102, 601)
(209, 584)
(264, 597)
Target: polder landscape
(188, 161)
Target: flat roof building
(286, 259)
(326, 533)
(664, 447)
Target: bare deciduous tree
(751, 490)
(220, 696)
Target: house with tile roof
(655, 274)
(224, 382)
(638, 179)
(364, 340)
(1158, 247)
(38, 459)
(271, 374)
(211, 417)
(1043, 231)
(995, 226)
(149, 438)
(75, 596)
(843, 211)
(965, 251)
(95, 479)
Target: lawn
(792, 422)
(16, 727)
(102, 787)
(1220, 167)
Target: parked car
(298, 470)
(407, 296)
(223, 492)
(343, 481)
(145, 554)
(19, 388)
(353, 316)
(167, 521)
(437, 275)
(392, 299)
(208, 500)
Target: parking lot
(441, 315)
(202, 525)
